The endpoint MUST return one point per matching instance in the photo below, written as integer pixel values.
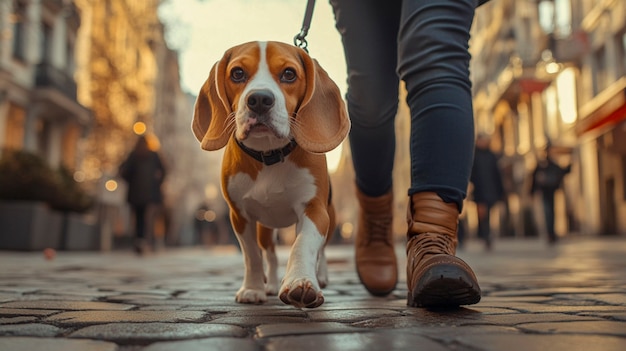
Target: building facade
(552, 72)
(39, 109)
(116, 73)
(128, 76)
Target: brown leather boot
(435, 277)
(375, 257)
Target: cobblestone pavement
(569, 297)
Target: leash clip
(300, 39)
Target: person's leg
(434, 63)
(140, 228)
(369, 33)
(484, 225)
(369, 30)
(548, 210)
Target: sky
(201, 30)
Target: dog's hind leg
(253, 288)
(267, 242)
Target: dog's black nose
(260, 101)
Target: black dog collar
(269, 157)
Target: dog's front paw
(271, 288)
(301, 293)
(245, 295)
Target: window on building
(546, 15)
(600, 72)
(14, 136)
(551, 112)
(624, 176)
(46, 42)
(70, 55)
(563, 18)
(555, 17)
(18, 19)
(621, 52)
(566, 94)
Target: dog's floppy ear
(322, 119)
(211, 111)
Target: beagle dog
(277, 112)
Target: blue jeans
(425, 44)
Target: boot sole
(444, 286)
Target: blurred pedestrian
(488, 190)
(144, 172)
(547, 179)
(424, 43)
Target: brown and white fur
(266, 95)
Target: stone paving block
(34, 329)
(167, 308)
(262, 311)
(137, 290)
(578, 327)
(48, 297)
(445, 316)
(66, 305)
(449, 335)
(17, 320)
(7, 297)
(617, 315)
(217, 343)
(146, 333)
(100, 317)
(370, 341)
(282, 329)
(553, 291)
(75, 292)
(171, 302)
(123, 297)
(255, 320)
(521, 318)
(604, 298)
(362, 303)
(350, 315)
(493, 310)
(523, 342)
(49, 344)
(390, 322)
(25, 312)
(525, 307)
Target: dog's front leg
(300, 285)
(267, 237)
(253, 288)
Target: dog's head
(268, 93)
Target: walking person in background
(144, 172)
(547, 179)
(488, 190)
(425, 44)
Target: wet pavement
(568, 297)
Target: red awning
(606, 109)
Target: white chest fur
(278, 196)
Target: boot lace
(377, 230)
(425, 245)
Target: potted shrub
(79, 231)
(27, 187)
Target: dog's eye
(237, 75)
(288, 76)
